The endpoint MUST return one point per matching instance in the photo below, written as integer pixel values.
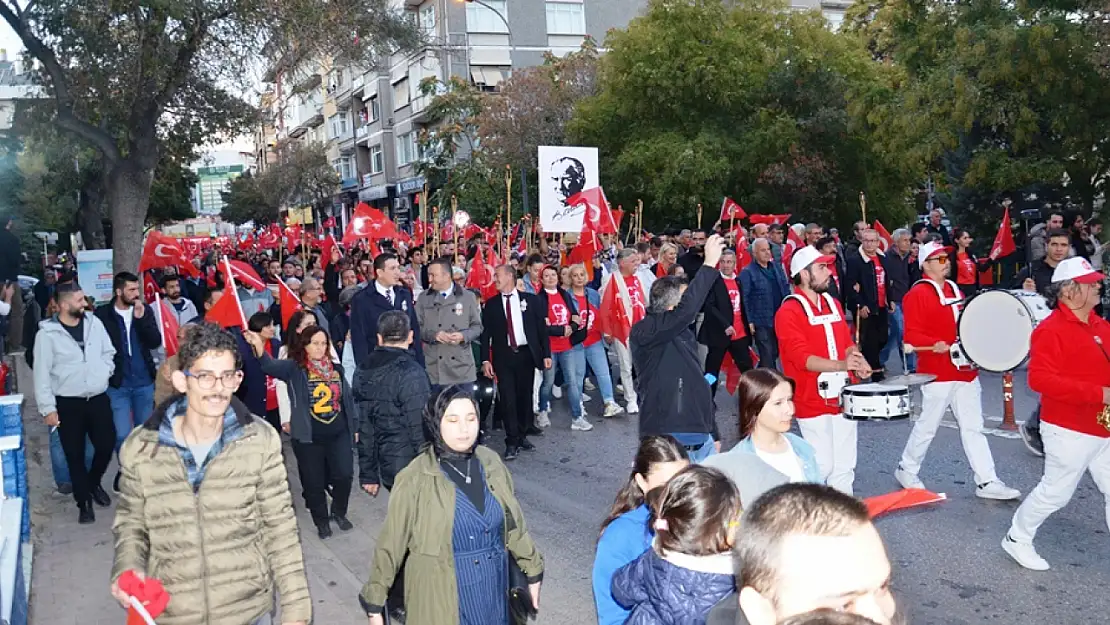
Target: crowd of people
(404, 366)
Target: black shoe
(65, 489)
(342, 523)
(115, 482)
(85, 514)
(1032, 440)
(512, 452)
(100, 496)
(324, 530)
(534, 431)
(527, 445)
(398, 614)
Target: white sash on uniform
(955, 352)
(829, 383)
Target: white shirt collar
(385, 291)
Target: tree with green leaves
(701, 99)
(1000, 99)
(129, 77)
(301, 176)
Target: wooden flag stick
(699, 215)
(863, 206)
(508, 211)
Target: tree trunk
(128, 197)
(90, 221)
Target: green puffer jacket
(219, 551)
(419, 522)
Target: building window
(427, 20)
(338, 126)
(834, 17)
(480, 19)
(345, 167)
(566, 18)
(406, 148)
(374, 109)
(377, 159)
(401, 93)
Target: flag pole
(455, 226)
(863, 206)
(699, 215)
(158, 313)
(508, 210)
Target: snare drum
(996, 328)
(867, 402)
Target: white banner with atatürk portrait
(564, 171)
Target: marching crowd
(405, 365)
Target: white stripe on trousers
(966, 399)
(834, 440)
(1067, 454)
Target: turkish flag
(271, 238)
(244, 273)
(612, 317)
(770, 220)
(329, 222)
(227, 312)
(730, 210)
(150, 288)
(1004, 240)
(162, 251)
(793, 244)
(480, 277)
(325, 249)
(885, 240)
(419, 231)
(368, 223)
(598, 213)
(167, 323)
(293, 236)
(900, 500)
(247, 243)
(289, 303)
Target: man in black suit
(511, 333)
(725, 328)
(385, 293)
(866, 288)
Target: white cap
(932, 249)
(807, 256)
(1076, 269)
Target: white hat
(930, 250)
(807, 256)
(1076, 269)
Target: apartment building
(370, 120)
(15, 85)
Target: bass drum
(996, 328)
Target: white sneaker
(1024, 554)
(997, 490)
(620, 389)
(586, 398)
(557, 392)
(612, 409)
(632, 408)
(907, 479)
(581, 424)
(589, 386)
(542, 420)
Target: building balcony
(348, 184)
(362, 132)
(310, 82)
(314, 121)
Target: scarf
(324, 370)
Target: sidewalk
(72, 563)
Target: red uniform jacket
(798, 340)
(1069, 366)
(928, 321)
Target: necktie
(509, 320)
(389, 294)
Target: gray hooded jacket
(63, 369)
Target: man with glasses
(931, 309)
(74, 359)
(312, 298)
(220, 534)
(694, 257)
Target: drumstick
(859, 322)
(910, 349)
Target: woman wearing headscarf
(455, 522)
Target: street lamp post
(509, 33)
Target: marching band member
(931, 308)
(1069, 365)
(817, 352)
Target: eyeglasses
(206, 380)
(941, 259)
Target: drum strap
(951, 302)
(826, 320)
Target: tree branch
(63, 99)
(182, 66)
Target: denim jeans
(599, 363)
(573, 365)
(705, 446)
(58, 458)
(897, 327)
(766, 347)
(131, 407)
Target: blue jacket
(757, 293)
(660, 592)
(624, 540)
(804, 450)
(366, 307)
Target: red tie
(509, 320)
